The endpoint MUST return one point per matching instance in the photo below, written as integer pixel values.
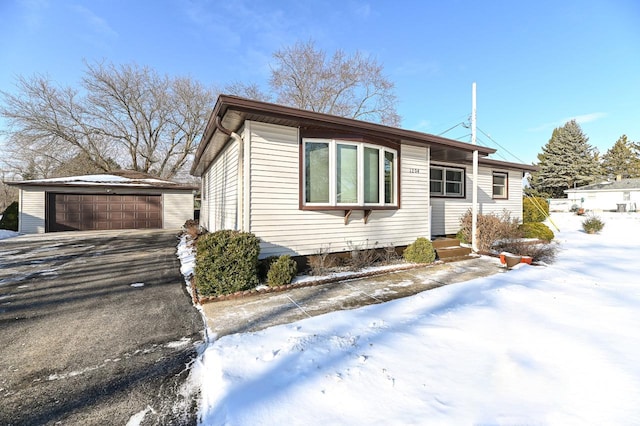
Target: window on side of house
(500, 186)
(348, 174)
(446, 181)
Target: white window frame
(333, 143)
(444, 192)
(506, 186)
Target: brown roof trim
(508, 165)
(305, 118)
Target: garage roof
(120, 178)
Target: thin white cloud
(99, 25)
(33, 12)
(363, 11)
(580, 119)
(587, 118)
(421, 68)
(422, 126)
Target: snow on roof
(624, 184)
(120, 178)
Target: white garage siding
(220, 192)
(31, 218)
(177, 208)
(447, 212)
(275, 216)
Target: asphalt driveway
(95, 327)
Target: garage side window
(341, 173)
(500, 180)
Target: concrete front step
(451, 252)
(445, 242)
(449, 249)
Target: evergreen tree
(567, 160)
(622, 159)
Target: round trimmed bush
(536, 230)
(531, 209)
(420, 251)
(282, 271)
(226, 262)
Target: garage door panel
(68, 212)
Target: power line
(500, 146)
(450, 128)
(497, 153)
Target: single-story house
(618, 195)
(305, 182)
(117, 200)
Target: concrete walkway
(261, 311)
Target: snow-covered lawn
(556, 345)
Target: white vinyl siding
(276, 217)
(446, 212)
(31, 217)
(177, 208)
(220, 207)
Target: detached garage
(119, 200)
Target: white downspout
(240, 195)
(240, 211)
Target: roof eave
(243, 107)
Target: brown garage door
(84, 212)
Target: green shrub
(536, 230)
(420, 251)
(462, 237)
(10, 217)
(226, 262)
(592, 224)
(263, 267)
(531, 209)
(282, 271)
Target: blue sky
(537, 63)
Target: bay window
(348, 174)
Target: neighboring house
(618, 195)
(119, 200)
(304, 181)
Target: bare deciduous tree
(126, 115)
(349, 86)
(247, 90)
